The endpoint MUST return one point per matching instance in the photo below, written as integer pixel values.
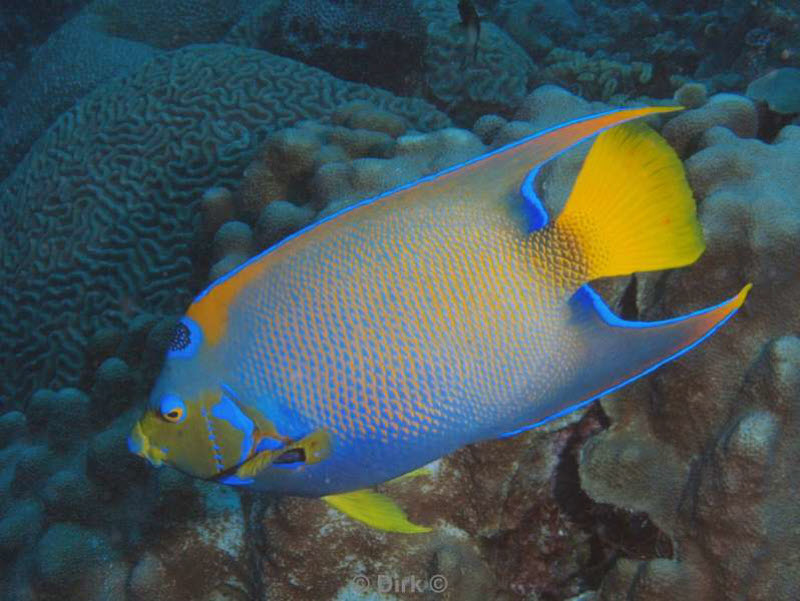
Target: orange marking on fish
(211, 311)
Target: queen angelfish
(445, 312)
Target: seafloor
(149, 146)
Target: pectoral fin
(256, 464)
(375, 510)
(308, 450)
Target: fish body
(440, 314)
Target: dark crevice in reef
(770, 124)
(628, 309)
(255, 507)
(614, 533)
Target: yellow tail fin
(631, 208)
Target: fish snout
(139, 444)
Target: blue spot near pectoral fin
(234, 480)
(268, 444)
(227, 409)
(534, 208)
(618, 352)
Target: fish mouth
(138, 444)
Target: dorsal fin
(501, 171)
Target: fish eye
(172, 409)
(174, 416)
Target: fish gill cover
(138, 167)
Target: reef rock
(196, 548)
(380, 42)
(780, 89)
(497, 531)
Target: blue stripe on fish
(235, 480)
(537, 214)
(228, 411)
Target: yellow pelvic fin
(631, 208)
(420, 471)
(375, 510)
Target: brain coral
(99, 217)
(72, 62)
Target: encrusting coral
(168, 24)
(466, 82)
(691, 95)
(233, 244)
(313, 169)
(735, 112)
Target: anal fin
(616, 352)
